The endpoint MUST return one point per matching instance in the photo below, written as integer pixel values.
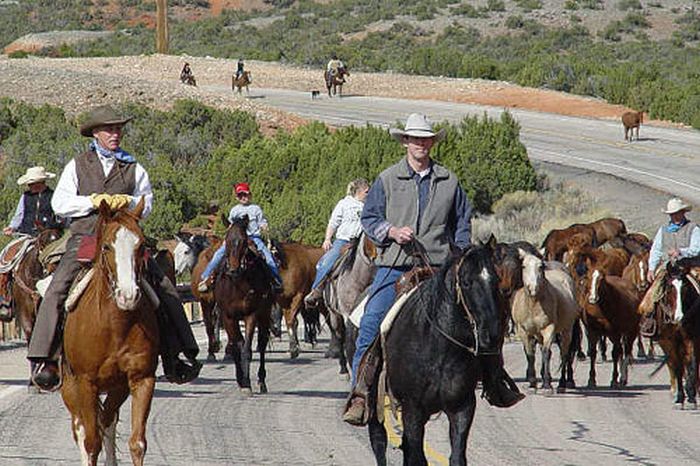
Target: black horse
(433, 350)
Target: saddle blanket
(359, 311)
(13, 253)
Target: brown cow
(632, 121)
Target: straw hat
(102, 116)
(676, 205)
(34, 175)
(417, 126)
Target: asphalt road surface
(209, 422)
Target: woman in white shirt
(345, 225)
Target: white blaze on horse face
(678, 314)
(126, 292)
(184, 257)
(533, 272)
(593, 295)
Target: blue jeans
(382, 295)
(325, 263)
(259, 243)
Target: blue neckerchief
(119, 154)
(674, 227)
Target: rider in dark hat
(105, 173)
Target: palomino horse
(335, 80)
(243, 81)
(210, 313)
(431, 353)
(544, 308)
(678, 321)
(110, 343)
(298, 269)
(342, 291)
(609, 305)
(242, 291)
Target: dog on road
(315, 94)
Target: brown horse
(243, 81)
(210, 313)
(678, 320)
(632, 121)
(110, 343)
(556, 242)
(335, 80)
(243, 291)
(636, 272)
(608, 228)
(297, 269)
(609, 304)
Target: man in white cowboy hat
(34, 207)
(105, 173)
(679, 238)
(395, 214)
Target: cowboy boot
(312, 299)
(499, 388)
(357, 409)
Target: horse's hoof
(344, 377)
(532, 389)
(570, 384)
(246, 391)
(678, 406)
(294, 353)
(211, 357)
(581, 356)
(228, 358)
(263, 387)
(592, 384)
(615, 385)
(561, 389)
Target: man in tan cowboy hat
(106, 173)
(679, 238)
(34, 208)
(396, 214)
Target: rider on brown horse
(33, 214)
(334, 64)
(677, 239)
(105, 173)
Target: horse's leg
(460, 424)
(691, 377)
(616, 356)
(641, 351)
(529, 348)
(209, 317)
(603, 348)
(247, 354)
(378, 439)
(335, 345)
(414, 420)
(578, 336)
(651, 354)
(342, 360)
(263, 338)
(547, 340)
(592, 353)
(565, 353)
(627, 345)
(141, 397)
(83, 406)
(290, 318)
(108, 422)
(71, 398)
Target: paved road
(665, 159)
(210, 423)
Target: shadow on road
(317, 394)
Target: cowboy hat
(102, 116)
(676, 205)
(417, 126)
(34, 175)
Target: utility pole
(161, 26)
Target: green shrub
(495, 5)
(529, 5)
(19, 54)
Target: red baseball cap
(242, 188)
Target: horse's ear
(246, 221)
(140, 206)
(224, 220)
(104, 210)
(492, 242)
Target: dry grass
(531, 215)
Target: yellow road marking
(394, 431)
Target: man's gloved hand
(114, 201)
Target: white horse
(544, 308)
(187, 251)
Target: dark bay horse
(431, 353)
(335, 80)
(210, 313)
(679, 329)
(243, 81)
(110, 343)
(243, 291)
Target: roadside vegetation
(194, 154)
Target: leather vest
(92, 180)
(37, 210)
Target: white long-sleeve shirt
(345, 219)
(68, 204)
(256, 218)
(19, 214)
(656, 255)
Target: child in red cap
(256, 224)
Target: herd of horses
(587, 275)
